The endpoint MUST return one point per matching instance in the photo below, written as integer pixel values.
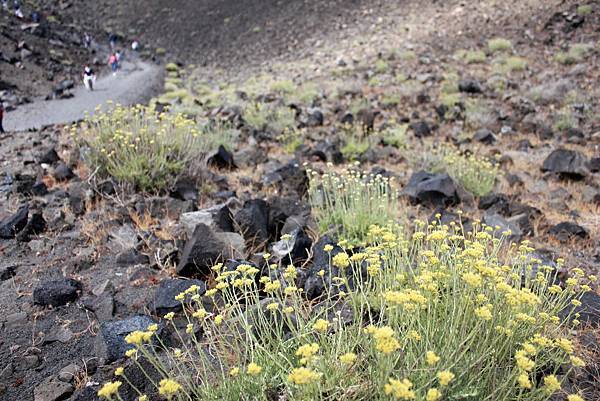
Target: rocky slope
(82, 264)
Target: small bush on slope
(140, 148)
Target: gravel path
(135, 82)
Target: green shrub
(435, 316)
(286, 86)
(577, 53)
(356, 141)
(395, 135)
(585, 9)
(381, 66)
(499, 44)
(515, 63)
(474, 56)
(171, 67)
(260, 116)
(144, 150)
(348, 203)
(476, 174)
(291, 140)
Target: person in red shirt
(1, 117)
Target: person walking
(113, 61)
(88, 78)
(1, 116)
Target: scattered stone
(253, 220)
(10, 226)
(132, 257)
(202, 250)
(294, 250)
(185, 190)
(16, 319)
(420, 129)
(52, 389)
(68, 373)
(62, 172)
(222, 158)
(103, 307)
(315, 118)
(218, 218)
(56, 292)
(49, 156)
(164, 298)
(289, 178)
(469, 86)
(566, 231)
(7, 272)
(110, 342)
(501, 226)
(567, 163)
(35, 225)
(431, 189)
(485, 136)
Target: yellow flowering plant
(449, 315)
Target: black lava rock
(253, 219)
(485, 136)
(200, 253)
(222, 158)
(164, 297)
(421, 129)
(49, 156)
(110, 342)
(56, 292)
(10, 226)
(62, 172)
(185, 189)
(131, 257)
(566, 230)
(35, 225)
(289, 178)
(469, 86)
(431, 189)
(567, 163)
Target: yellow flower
(138, 337)
(218, 320)
(321, 325)
(433, 394)
(524, 381)
(153, 328)
(273, 306)
(307, 351)
(565, 344)
(574, 397)
(551, 383)
(384, 340)
(576, 361)
(431, 358)
(300, 376)
(253, 369)
(143, 398)
(130, 353)
(484, 312)
(288, 309)
(234, 372)
(272, 286)
(119, 371)
(348, 358)
(169, 316)
(109, 389)
(523, 362)
(328, 248)
(168, 387)
(200, 314)
(445, 377)
(341, 260)
(400, 389)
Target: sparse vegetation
(356, 141)
(585, 9)
(395, 135)
(147, 151)
(276, 117)
(498, 45)
(475, 56)
(577, 53)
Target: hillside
(321, 200)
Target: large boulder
(56, 292)
(567, 163)
(11, 225)
(431, 189)
(288, 178)
(110, 341)
(566, 231)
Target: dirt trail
(133, 83)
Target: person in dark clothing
(1, 117)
